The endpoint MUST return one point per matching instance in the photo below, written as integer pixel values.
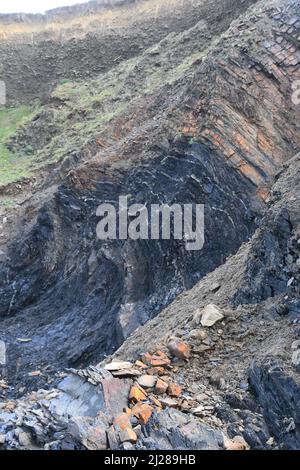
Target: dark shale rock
(171, 429)
(79, 314)
(278, 390)
(78, 397)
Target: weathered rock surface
(171, 429)
(34, 59)
(278, 392)
(221, 129)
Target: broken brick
(143, 412)
(161, 387)
(137, 394)
(174, 390)
(123, 421)
(156, 360)
(156, 371)
(179, 349)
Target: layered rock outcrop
(218, 127)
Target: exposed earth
(124, 344)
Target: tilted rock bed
(67, 298)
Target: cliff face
(78, 44)
(62, 14)
(192, 107)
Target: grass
(7, 203)
(107, 19)
(83, 111)
(12, 166)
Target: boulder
(210, 315)
(78, 397)
(89, 432)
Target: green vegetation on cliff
(13, 166)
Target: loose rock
(143, 412)
(161, 387)
(137, 394)
(174, 390)
(168, 403)
(118, 365)
(179, 349)
(211, 314)
(128, 435)
(2, 353)
(147, 381)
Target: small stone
(138, 430)
(24, 340)
(155, 401)
(118, 365)
(237, 443)
(112, 439)
(215, 286)
(296, 357)
(168, 403)
(143, 412)
(270, 441)
(161, 387)
(2, 353)
(126, 373)
(24, 439)
(128, 435)
(156, 371)
(199, 334)
(147, 381)
(35, 373)
(198, 411)
(211, 314)
(156, 360)
(217, 379)
(201, 397)
(244, 386)
(174, 390)
(201, 349)
(296, 345)
(127, 446)
(123, 421)
(3, 385)
(2, 438)
(137, 394)
(179, 348)
(140, 364)
(10, 406)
